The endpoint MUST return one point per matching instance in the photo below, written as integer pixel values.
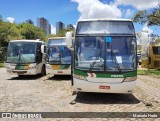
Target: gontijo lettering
(117, 76)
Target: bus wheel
(72, 80)
(43, 71)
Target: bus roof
(27, 41)
(104, 19)
(57, 41)
(59, 38)
(52, 38)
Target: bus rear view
(105, 57)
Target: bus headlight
(31, 67)
(80, 77)
(7, 66)
(128, 79)
(48, 66)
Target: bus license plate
(23, 72)
(104, 87)
(61, 72)
(20, 72)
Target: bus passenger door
(39, 63)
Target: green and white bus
(105, 56)
(58, 57)
(26, 57)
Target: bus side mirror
(43, 49)
(69, 39)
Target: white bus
(58, 57)
(26, 57)
(105, 56)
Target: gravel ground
(54, 94)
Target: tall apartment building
(49, 30)
(29, 21)
(59, 26)
(44, 25)
(70, 27)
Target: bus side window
(38, 53)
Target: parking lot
(54, 94)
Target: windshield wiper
(94, 62)
(19, 54)
(63, 61)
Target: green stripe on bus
(64, 66)
(105, 75)
(57, 66)
(79, 72)
(21, 66)
(128, 74)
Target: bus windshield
(105, 53)
(120, 53)
(59, 55)
(105, 27)
(21, 52)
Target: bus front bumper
(58, 72)
(22, 72)
(86, 86)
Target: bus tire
(20, 76)
(72, 80)
(72, 76)
(43, 71)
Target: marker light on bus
(32, 67)
(128, 79)
(80, 77)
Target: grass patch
(2, 65)
(153, 72)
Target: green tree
(151, 17)
(51, 35)
(13, 31)
(29, 31)
(8, 31)
(62, 33)
(0, 17)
